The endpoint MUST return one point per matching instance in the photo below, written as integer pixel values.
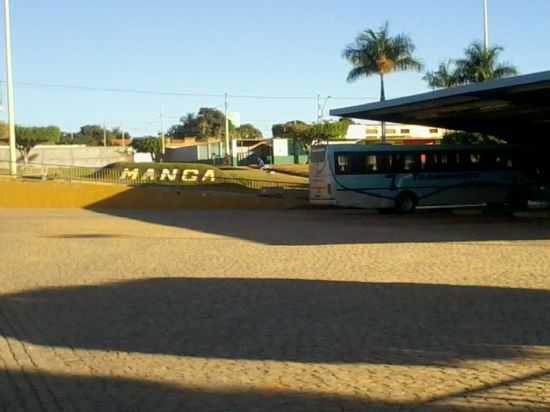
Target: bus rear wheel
(405, 203)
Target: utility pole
(162, 137)
(486, 23)
(9, 79)
(226, 107)
(104, 135)
(318, 108)
(321, 108)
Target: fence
(116, 175)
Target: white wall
(68, 155)
(363, 131)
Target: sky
(289, 51)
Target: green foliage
(330, 131)
(246, 132)
(306, 133)
(444, 77)
(379, 53)
(477, 65)
(28, 137)
(480, 65)
(150, 145)
(291, 130)
(93, 135)
(207, 123)
(468, 138)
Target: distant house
(395, 133)
(193, 151)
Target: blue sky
(242, 47)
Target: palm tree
(378, 53)
(444, 77)
(480, 64)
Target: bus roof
(413, 148)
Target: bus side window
(385, 162)
(409, 164)
(465, 161)
(431, 162)
(510, 161)
(371, 162)
(343, 164)
(489, 161)
(456, 161)
(398, 163)
(423, 162)
(444, 162)
(475, 161)
(501, 161)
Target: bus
(404, 177)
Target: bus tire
(406, 202)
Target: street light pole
(9, 80)
(486, 23)
(228, 149)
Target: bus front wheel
(405, 203)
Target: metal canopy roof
(517, 107)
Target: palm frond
(357, 73)
(505, 70)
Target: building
(396, 133)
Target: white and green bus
(404, 177)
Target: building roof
(514, 107)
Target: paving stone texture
(298, 310)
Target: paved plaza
(288, 310)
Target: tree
(480, 64)
(290, 130)
(330, 130)
(306, 133)
(150, 145)
(378, 53)
(247, 132)
(94, 135)
(28, 137)
(207, 123)
(477, 65)
(466, 138)
(444, 77)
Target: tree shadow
(287, 320)
(41, 391)
(337, 226)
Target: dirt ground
(289, 310)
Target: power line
(177, 94)
(114, 90)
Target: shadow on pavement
(334, 226)
(287, 320)
(44, 391)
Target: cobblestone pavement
(319, 310)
